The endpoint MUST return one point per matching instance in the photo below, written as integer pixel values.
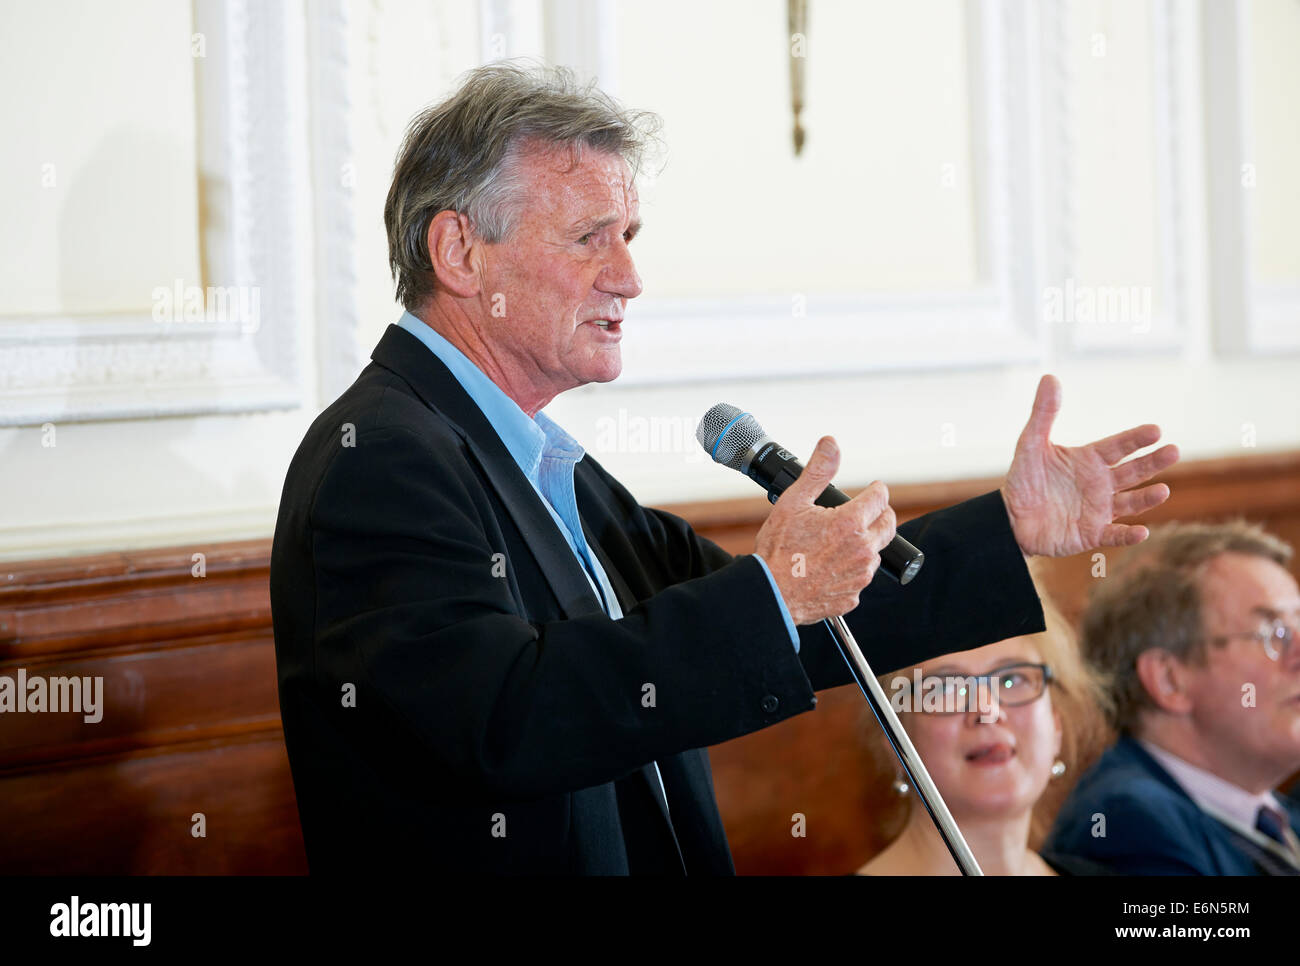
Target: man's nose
(619, 275)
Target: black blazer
(455, 699)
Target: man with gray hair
(1197, 633)
(491, 657)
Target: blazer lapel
(1226, 845)
(626, 601)
(409, 358)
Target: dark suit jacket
(1152, 826)
(498, 721)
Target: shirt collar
(1209, 790)
(526, 438)
(559, 444)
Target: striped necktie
(1273, 824)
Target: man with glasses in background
(1198, 634)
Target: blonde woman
(997, 728)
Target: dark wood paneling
(134, 813)
(191, 721)
(65, 605)
(152, 695)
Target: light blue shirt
(546, 455)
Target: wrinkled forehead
(1235, 585)
(566, 178)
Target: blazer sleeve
(974, 589)
(409, 611)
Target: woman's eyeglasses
(1010, 686)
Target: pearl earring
(1058, 768)
(899, 786)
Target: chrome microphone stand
(735, 439)
(903, 747)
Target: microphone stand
(752, 452)
(903, 747)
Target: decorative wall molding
(1174, 78)
(994, 322)
(252, 106)
(337, 312)
(1249, 318)
(89, 534)
(709, 340)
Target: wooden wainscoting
(191, 722)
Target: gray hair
(1156, 601)
(460, 155)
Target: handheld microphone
(734, 438)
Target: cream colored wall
(1113, 151)
(99, 157)
(865, 207)
(104, 96)
(1275, 81)
(798, 225)
(732, 214)
(406, 56)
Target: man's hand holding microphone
(822, 557)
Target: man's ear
(1164, 678)
(454, 251)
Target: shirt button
(769, 703)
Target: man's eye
(585, 238)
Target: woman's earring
(899, 786)
(1058, 768)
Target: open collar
(435, 385)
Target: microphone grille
(728, 433)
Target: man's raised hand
(1064, 500)
(822, 557)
